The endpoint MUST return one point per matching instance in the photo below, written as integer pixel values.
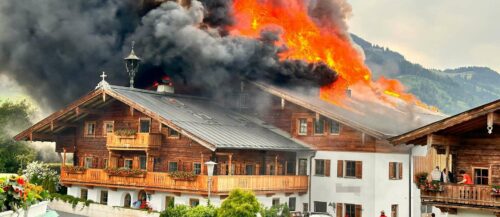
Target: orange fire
(305, 40)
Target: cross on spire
(103, 76)
(103, 84)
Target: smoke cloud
(56, 49)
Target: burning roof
(358, 111)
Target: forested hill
(451, 90)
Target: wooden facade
(468, 142)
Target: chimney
(165, 86)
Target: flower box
(36, 210)
(183, 176)
(125, 172)
(74, 169)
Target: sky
(434, 33)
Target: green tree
(202, 211)
(176, 211)
(239, 203)
(14, 117)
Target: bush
(202, 211)
(70, 199)
(40, 174)
(275, 211)
(176, 211)
(239, 203)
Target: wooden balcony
(138, 141)
(462, 196)
(156, 181)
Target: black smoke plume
(56, 49)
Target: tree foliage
(14, 116)
(239, 203)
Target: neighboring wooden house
(469, 141)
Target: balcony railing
(138, 141)
(162, 181)
(464, 195)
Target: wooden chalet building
(469, 141)
(284, 143)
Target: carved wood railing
(162, 181)
(140, 141)
(474, 195)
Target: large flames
(305, 40)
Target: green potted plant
(24, 198)
(128, 133)
(495, 190)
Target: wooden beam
(433, 139)
(131, 111)
(88, 111)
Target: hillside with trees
(451, 90)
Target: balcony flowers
(16, 193)
(495, 190)
(183, 175)
(125, 172)
(125, 132)
(74, 169)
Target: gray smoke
(331, 14)
(56, 49)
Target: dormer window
(173, 133)
(90, 128)
(319, 126)
(144, 125)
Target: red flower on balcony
(20, 181)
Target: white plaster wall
(157, 200)
(463, 213)
(375, 191)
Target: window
(88, 162)
(481, 176)
(83, 194)
(104, 197)
(127, 163)
(320, 167)
(105, 162)
(305, 207)
(144, 125)
(350, 210)
(276, 202)
(319, 127)
(319, 206)
(302, 128)
(394, 210)
(127, 201)
(173, 133)
(291, 203)
(194, 202)
(395, 170)
(143, 162)
(290, 167)
(197, 168)
(426, 209)
(108, 127)
(302, 167)
(350, 168)
(172, 166)
(90, 128)
(334, 127)
(249, 169)
(169, 202)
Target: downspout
(310, 181)
(410, 171)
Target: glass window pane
(172, 166)
(145, 125)
(334, 127)
(485, 172)
(319, 126)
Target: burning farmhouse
(278, 111)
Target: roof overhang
(480, 116)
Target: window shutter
(359, 211)
(340, 168)
(400, 169)
(339, 209)
(391, 170)
(257, 169)
(359, 169)
(327, 168)
(81, 163)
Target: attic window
(144, 125)
(334, 127)
(302, 126)
(173, 133)
(90, 128)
